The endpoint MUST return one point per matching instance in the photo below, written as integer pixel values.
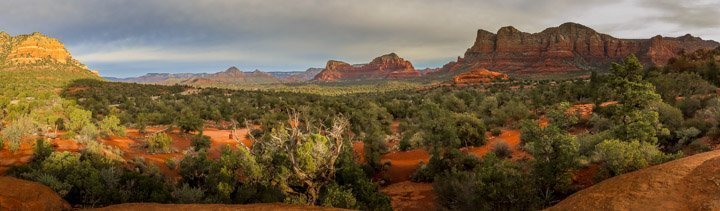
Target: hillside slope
(690, 183)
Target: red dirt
(585, 177)
(359, 151)
(403, 164)
(411, 196)
(511, 137)
(24, 153)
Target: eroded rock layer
(568, 47)
(387, 66)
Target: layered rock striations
(35, 49)
(566, 48)
(389, 66)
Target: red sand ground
(24, 154)
(407, 195)
(411, 196)
(130, 148)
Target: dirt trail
(690, 183)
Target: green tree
(110, 125)
(561, 116)
(555, 153)
(189, 121)
(159, 143)
(470, 129)
(77, 119)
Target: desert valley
(566, 118)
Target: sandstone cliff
(35, 49)
(566, 48)
(383, 67)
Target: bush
(188, 195)
(495, 184)
(159, 143)
(620, 157)
(502, 149)
(17, 131)
(335, 196)
(496, 131)
(587, 142)
(171, 163)
(42, 150)
(200, 142)
(110, 125)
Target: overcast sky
(131, 38)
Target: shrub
(496, 131)
(200, 142)
(17, 131)
(493, 185)
(620, 157)
(42, 150)
(110, 125)
(502, 149)
(188, 195)
(335, 196)
(171, 163)
(159, 143)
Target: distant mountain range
(231, 76)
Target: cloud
(296, 34)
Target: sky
(125, 38)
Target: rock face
(34, 49)
(689, 183)
(479, 76)
(383, 67)
(17, 194)
(566, 48)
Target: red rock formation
(17, 194)
(569, 47)
(386, 66)
(479, 76)
(34, 49)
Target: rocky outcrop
(688, 183)
(17, 194)
(479, 76)
(35, 49)
(566, 48)
(389, 66)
